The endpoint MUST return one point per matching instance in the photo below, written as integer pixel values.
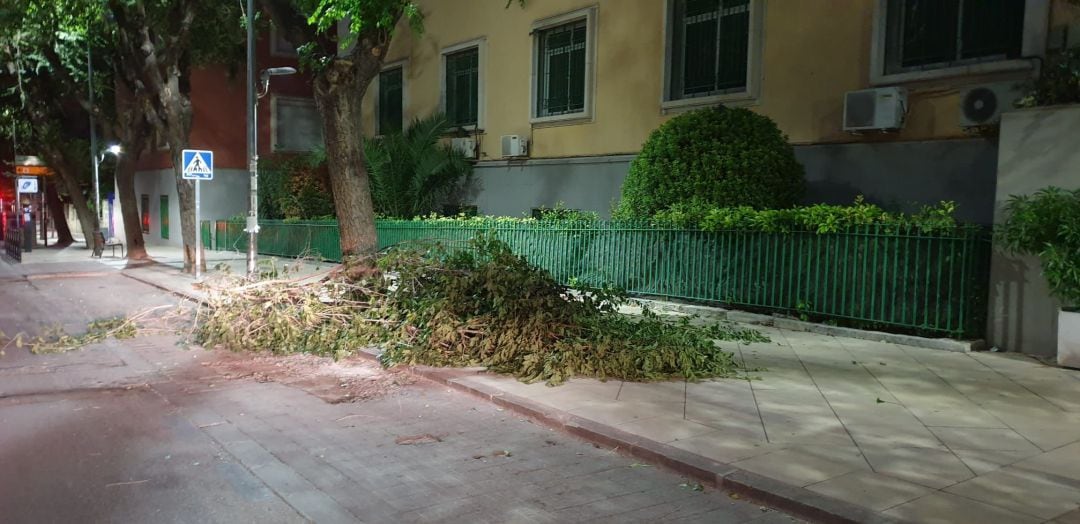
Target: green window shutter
(710, 47)
(463, 87)
(163, 213)
(734, 45)
(992, 28)
(929, 29)
(561, 70)
(391, 112)
(938, 33)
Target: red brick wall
(219, 121)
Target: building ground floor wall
(514, 188)
(904, 176)
(896, 175)
(1037, 150)
(223, 197)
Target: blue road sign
(198, 164)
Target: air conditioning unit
(982, 105)
(515, 146)
(879, 109)
(465, 146)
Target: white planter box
(1068, 352)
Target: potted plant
(1047, 224)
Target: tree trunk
(56, 209)
(178, 128)
(66, 175)
(129, 207)
(338, 92)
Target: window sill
(470, 129)
(568, 119)
(1001, 66)
(687, 104)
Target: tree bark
(133, 131)
(66, 174)
(129, 207)
(338, 93)
(56, 209)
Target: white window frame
(755, 45)
(274, 101)
(1036, 20)
(404, 65)
(274, 50)
(481, 49)
(586, 114)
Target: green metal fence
(880, 277)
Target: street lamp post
(115, 150)
(252, 135)
(253, 166)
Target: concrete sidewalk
(837, 428)
(916, 434)
(164, 269)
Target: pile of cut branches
(475, 306)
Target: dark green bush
(717, 157)
(1057, 84)
(295, 187)
(1047, 224)
(818, 218)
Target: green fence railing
(894, 278)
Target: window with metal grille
(710, 44)
(391, 109)
(462, 87)
(932, 34)
(297, 126)
(561, 69)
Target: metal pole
(198, 232)
(253, 151)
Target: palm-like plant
(412, 172)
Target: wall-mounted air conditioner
(465, 146)
(982, 105)
(515, 146)
(880, 109)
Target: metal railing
(13, 243)
(880, 277)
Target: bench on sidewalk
(100, 244)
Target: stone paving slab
(843, 429)
(909, 433)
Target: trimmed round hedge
(717, 157)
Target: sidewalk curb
(178, 292)
(73, 274)
(745, 317)
(941, 344)
(800, 502)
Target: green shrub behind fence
(894, 277)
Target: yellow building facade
(795, 61)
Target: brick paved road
(139, 431)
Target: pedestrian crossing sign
(198, 164)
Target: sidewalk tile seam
(980, 406)
(1024, 386)
(832, 408)
(579, 427)
(753, 395)
(916, 417)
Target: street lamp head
(264, 77)
(278, 71)
(115, 149)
